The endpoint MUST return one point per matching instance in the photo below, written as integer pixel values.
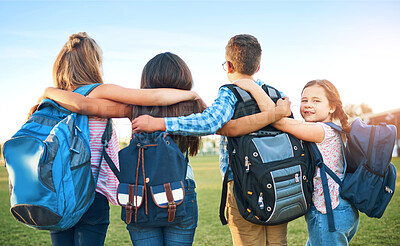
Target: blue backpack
(369, 180)
(48, 161)
(152, 174)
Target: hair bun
(75, 39)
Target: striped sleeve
(107, 183)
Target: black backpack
(272, 170)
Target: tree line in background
(357, 110)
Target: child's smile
(314, 105)
(308, 113)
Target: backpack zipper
(247, 164)
(294, 176)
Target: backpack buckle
(171, 211)
(128, 210)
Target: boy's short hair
(244, 52)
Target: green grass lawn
(384, 231)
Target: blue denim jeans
(346, 224)
(177, 234)
(91, 228)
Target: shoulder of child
(329, 131)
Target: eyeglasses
(228, 63)
(223, 65)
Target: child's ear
(230, 67)
(258, 69)
(332, 109)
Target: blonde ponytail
(78, 63)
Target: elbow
(234, 132)
(230, 130)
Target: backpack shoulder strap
(104, 140)
(86, 89)
(318, 159)
(328, 170)
(244, 96)
(324, 179)
(335, 127)
(272, 92)
(241, 95)
(224, 195)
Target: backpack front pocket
(290, 198)
(126, 195)
(273, 148)
(168, 193)
(130, 197)
(168, 197)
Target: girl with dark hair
(168, 70)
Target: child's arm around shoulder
(80, 104)
(198, 124)
(143, 97)
(264, 102)
(254, 122)
(111, 101)
(269, 111)
(307, 131)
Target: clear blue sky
(354, 44)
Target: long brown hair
(167, 70)
(334, 101)
(78, 63)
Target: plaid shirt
(209, 122)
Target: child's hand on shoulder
(283, 107)
(147, 123)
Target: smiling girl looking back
(320, 103)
